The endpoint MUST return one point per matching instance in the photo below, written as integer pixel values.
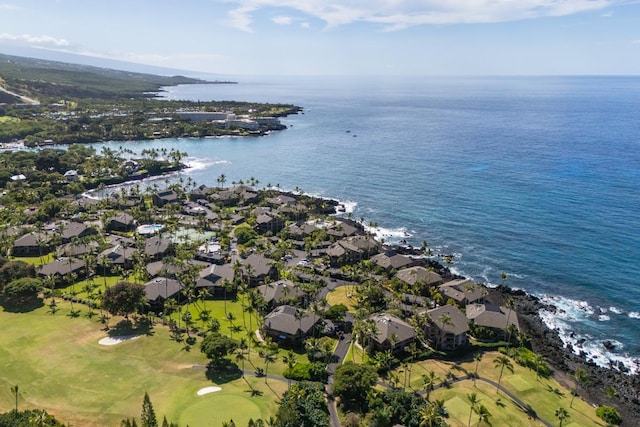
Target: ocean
(537, 177)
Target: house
(288, 324)
(257, 268)
(78, 250)
(61, 267)
(419, 275)
(118, 255)
(214, 277)
(121, 222)
(301, 230)
(448, 327)
(266, 222)
(391, 260)
(462, 291)
(20, 177)
(74, 230)
(164, 197)
(392, 333)
(352, 249)
(275, 293)
(164, 268)
(201, 193)
(342, 229)
(159, 290)
(71, 175)
(32, 244)
(157, 247)
(281, 200)
(493, 318)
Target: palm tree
(15, 390)
(240, 357)
(477, 358)
(269, 358)
(562, 414)
(474, 401)
(509, 304)
(231, 317)
(430, 416)
(538, 362)
(445, 320)
(483, 414)
(502, 362)
(429, 382)
(580, 375)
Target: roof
(260, 265)
(283, 319)
(161, 288)
(462, 289)
(418, 274)
(60, 266)
(33, 239)
(492, 316)
(280, 290)
(75, 250)
(118, 254)
(156, 245)
(122, 218)
(391, 259)
(70, 230)
(459, 324)
(214, 275)
(391, 328)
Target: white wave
(194, 164)
(388, 234)
(349, 206)
(569, 312)
(615, 310)
(634, 315)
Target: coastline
(564, 361)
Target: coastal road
(24, 99)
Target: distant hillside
(38, 78)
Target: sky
(337, 37)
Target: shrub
(307, 372)
(609, 414)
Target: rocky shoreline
(562, 359)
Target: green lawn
(59, 365)
(8, 119)
(543, 395)
(341, 295)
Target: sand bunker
(117, 340)
(208, 390)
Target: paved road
(24, 99)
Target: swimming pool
(149, 228)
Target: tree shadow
(221, 374)
(20, 304)
(127, 327)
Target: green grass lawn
(9, 119)
(544, 395)
(59, 365)
(341, 295)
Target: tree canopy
(352, 383)
(303, 405)
(123, 298)
(216, 347)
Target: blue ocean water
(538, 177)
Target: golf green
(214, 408)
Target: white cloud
(635, 42)
(399, 14)
(282, 20)
(305, 25)
(241, 18)
(7, 6)
(35, 40)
